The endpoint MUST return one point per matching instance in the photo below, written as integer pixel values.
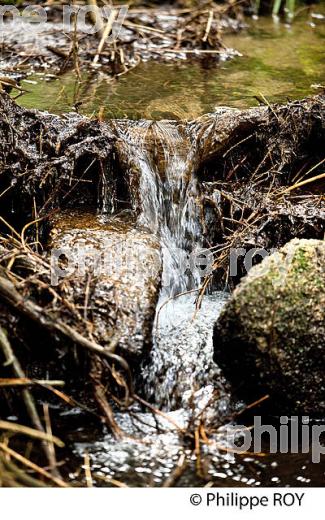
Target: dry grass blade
(32, 465)
(24, 381)
(109, 480)
(30, 432)
(27, 396)
(89, 478)
(303, 183)
(51, 448)
(177, 472)
(96, 16)
(106, 32)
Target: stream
(179, 376)
(277, 61)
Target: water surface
(278, 61)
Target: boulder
(114, 270)
(270, 338)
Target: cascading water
(180, 368)
(179, 377)
(168, 198)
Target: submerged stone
(271, 336)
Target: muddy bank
(248, 166)
(55, 161)
(228, 147)
(259, 171)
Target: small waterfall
(168, 193)
(179, 375)
(164, 160)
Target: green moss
(301, 261)
(279, 320)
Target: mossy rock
(270, 338)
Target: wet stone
(114, 270)
(269, 339)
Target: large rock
(115, 272)
(271, 336)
